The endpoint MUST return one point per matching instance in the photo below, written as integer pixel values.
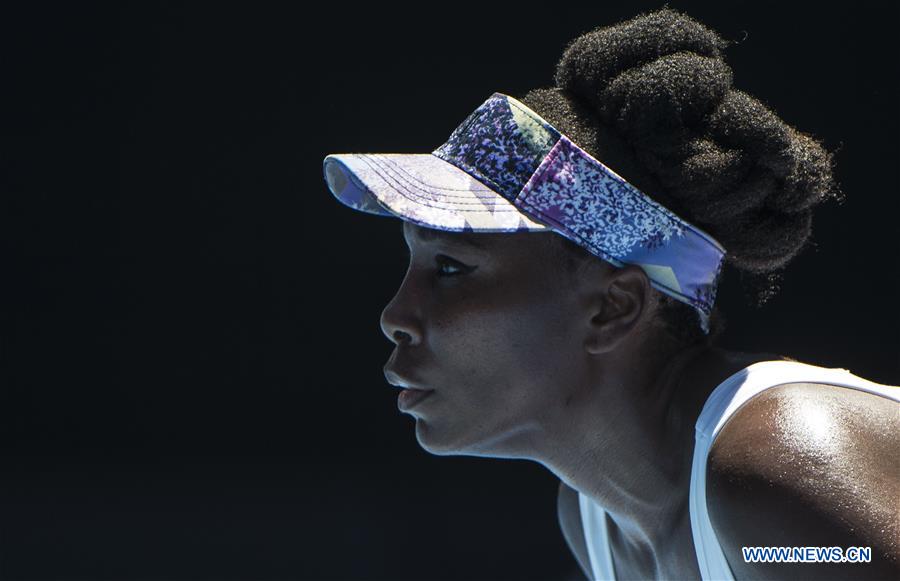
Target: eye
(448, 267)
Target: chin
(439, 442)
(431, 441)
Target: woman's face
(492, 324)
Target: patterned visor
(505, 169)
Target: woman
(591, 348)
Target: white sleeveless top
(730, 395)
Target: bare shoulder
(807, 464)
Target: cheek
(516, 335)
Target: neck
(633, 446)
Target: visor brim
(423, 189)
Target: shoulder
(807, 464)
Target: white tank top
(724, 400)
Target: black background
(191, 355)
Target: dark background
(191, 358)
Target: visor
(505, 169)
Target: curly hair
(652, 98)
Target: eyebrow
(431, 235)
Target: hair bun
(593, 59)
(653, 98)
(721, 158)
(684, 88)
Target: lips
(411, 392)
(397, 380)
(410, 398)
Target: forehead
(419, 234)
(511, 248)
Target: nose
(400, 321)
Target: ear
(618, 306)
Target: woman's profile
(560, 306)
